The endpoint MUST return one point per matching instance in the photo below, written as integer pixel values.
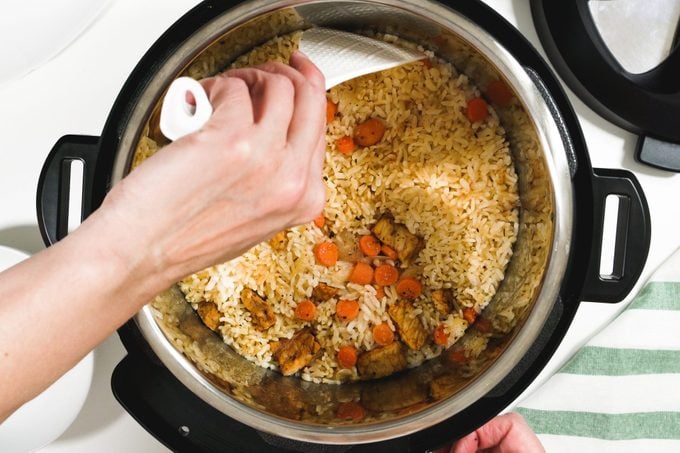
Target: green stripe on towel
(658, 296)
(595, 360)
(640, 425)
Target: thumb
(467, 444)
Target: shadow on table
(100, 409)
(22, 237)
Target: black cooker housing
(183, 422)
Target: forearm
(58, 305)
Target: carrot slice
(350, 411)
(469, 314)
(369, 245)
(386, 275)
(331, 110)
(326, 253)
(379, 292)
(369, 132)
(499, 93)
(457, 356)
(347, 310)
(477, 110)
(382, 334)
(409, 288)
(305, 310)
(426, 62)
(389, 252)
(362, 274)
(347, 356)
(320, 221)
(440, 336)
(345, 144)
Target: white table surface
(73, 93)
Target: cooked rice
(449, 181)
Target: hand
(507, 433)
(254, 169)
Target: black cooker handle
(54, 184)
(633, 234)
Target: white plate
(48, 415)
(34, 31)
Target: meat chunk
(443, 301)
(296, 353)
(397, 236)
(348, 246)
(322, 292)
(278, 241)
(263, 316)
(411, 329)
(209, 314)
(274, 346)
(381, 362)
(394, 394)
(444, 386)
(281, 397)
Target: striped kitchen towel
(621, 391)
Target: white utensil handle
(178, 117)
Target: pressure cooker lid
(622, 58)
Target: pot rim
(554, 150)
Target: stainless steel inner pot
(433, 392)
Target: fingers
(313, 202)
(272, 97)
(308, 119)
(305, 128)
(508, 428)
(230, 99)
(308, 69)
(319, 156)
(281, 97)
(509, 432)
(315, 196)
(286, 106)
(467, 444)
